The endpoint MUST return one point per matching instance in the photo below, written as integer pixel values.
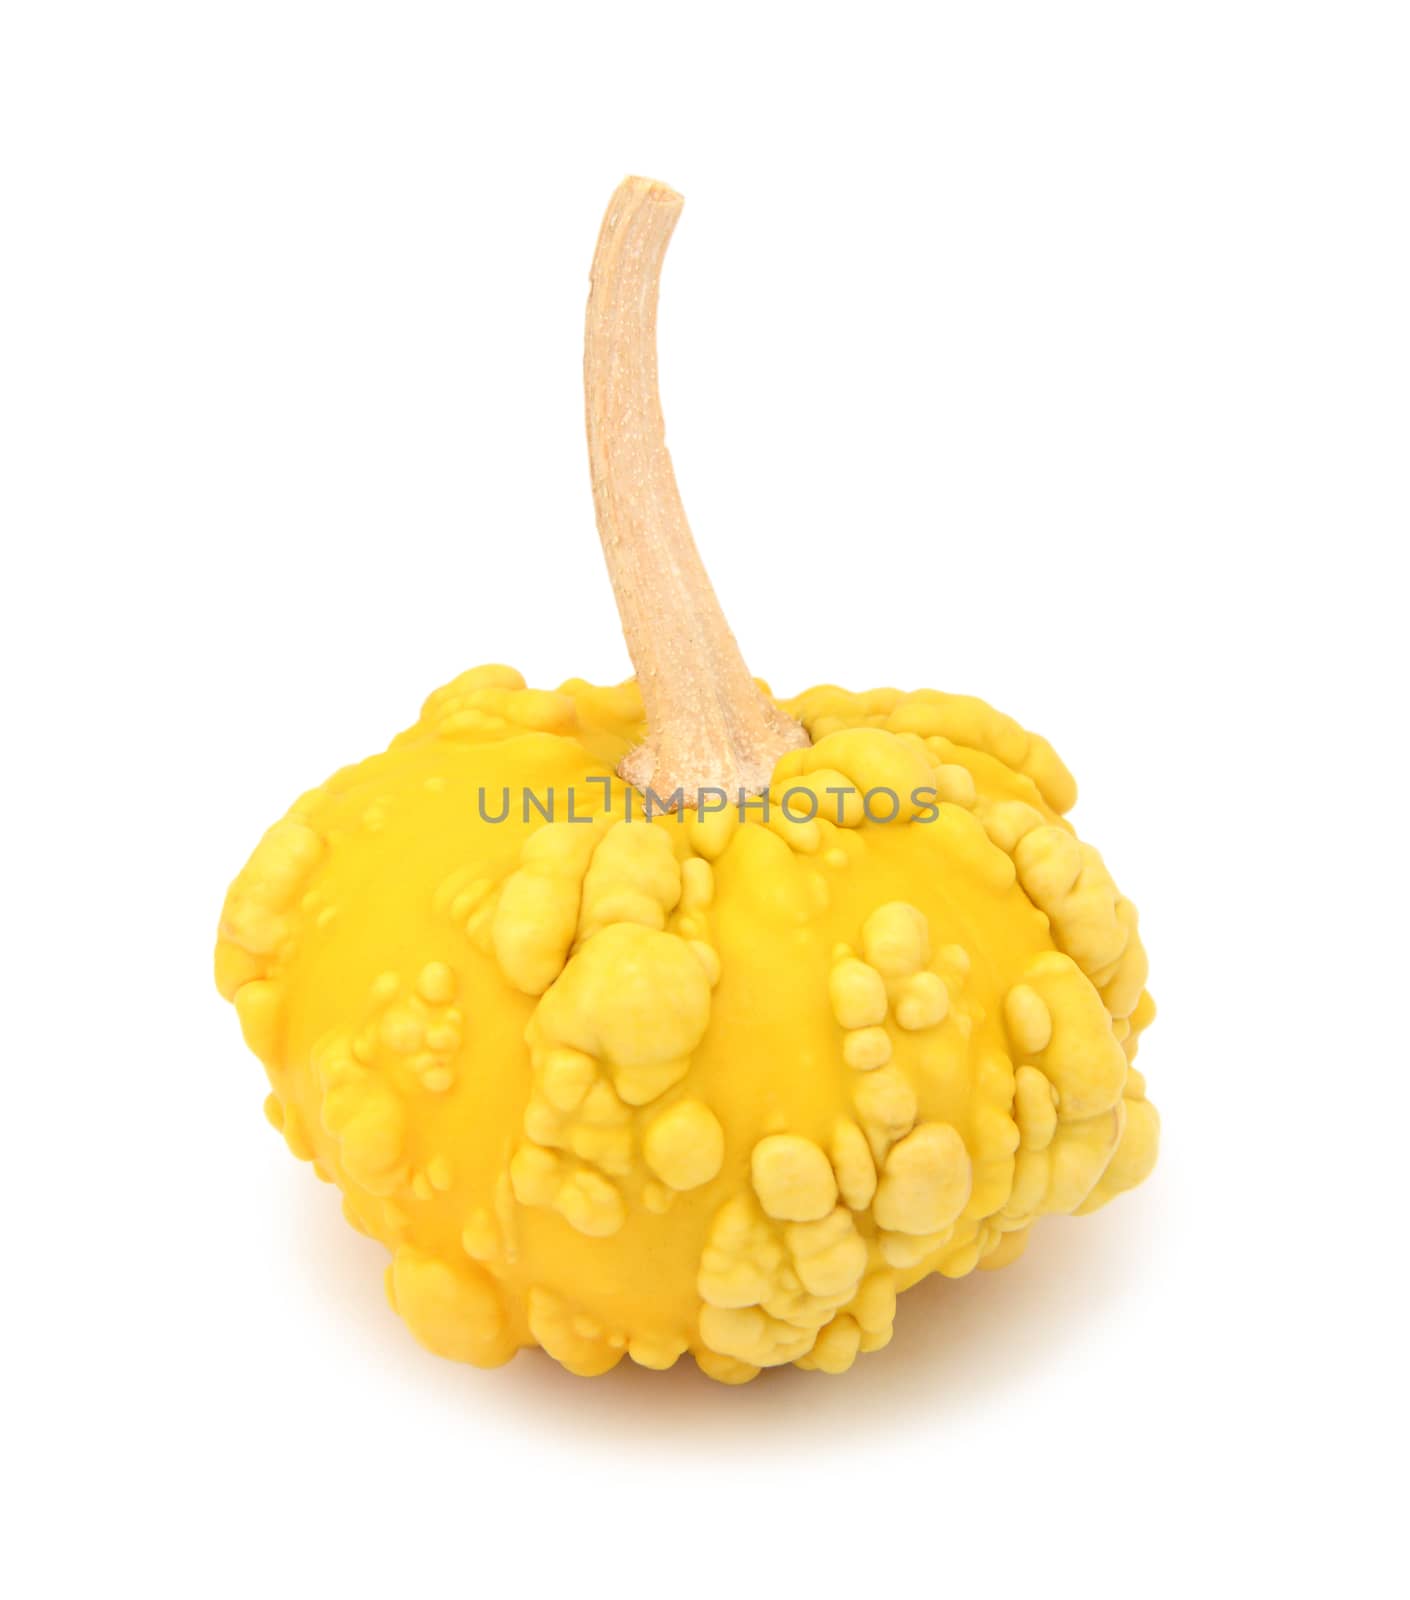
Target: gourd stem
(709, 725)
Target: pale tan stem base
(709, 725)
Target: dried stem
(709, 725)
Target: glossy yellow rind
(691, 1082)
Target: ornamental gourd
(672, 1016)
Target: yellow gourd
(724, 1078)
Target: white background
(1053, 353)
